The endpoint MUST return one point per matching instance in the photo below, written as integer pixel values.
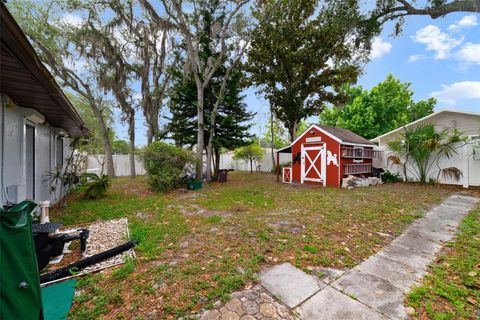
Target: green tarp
(57, 300)
(19, 281)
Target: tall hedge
(164, 164)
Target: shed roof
(341, 135)
(345, 135)
(27, 81)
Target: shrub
(165, 165)
(96, 186)
(285, 164)
(388, 176)
(252, 152)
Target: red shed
(325, 154)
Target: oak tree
(302, 54)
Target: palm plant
(401, 149)
(96, 186)
(67, 176)
(423, 147)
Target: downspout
(2, 169)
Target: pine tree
(232, 125)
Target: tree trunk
(217, 163)
(152, 127)
(131, 136)
(213, 116)
(106, 138)
(149, 135)
(251, 166)
(200, 133)
(272, 133)
(292, 130)
(208, 173)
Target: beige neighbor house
(467, 158)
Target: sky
(440, 58)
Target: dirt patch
(196, 210)
(286, 226)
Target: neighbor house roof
(27, 81)
(435, 114)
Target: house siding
(468, 124)
(12, 155)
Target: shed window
(358, 154)
(59, 150)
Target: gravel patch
(105, 235)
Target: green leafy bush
(252, 152)
(285, 164)
(96, 186)
(388, 176)
(164, 164)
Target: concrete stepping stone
(329, 304)
(435, 235)
(398, 274)
(418, 242)
(406, 256)
(461, 198)
(328, 275)
(290, 284)
(374, 292)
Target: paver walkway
(372, 290)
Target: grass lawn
(198, 247)
(452, 289)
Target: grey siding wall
(12, 155)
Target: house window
(358, 154)
(59, 150)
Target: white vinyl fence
(465, 160)
(121, 163)
(266, 165)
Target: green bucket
(194, 185)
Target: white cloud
(466, 22)
(380, 48)
(458, 91)
(416, 57)
(470, 53)
(72, 19)
(436, 40)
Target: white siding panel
(468, 124)
(14, 156)
(42, 163)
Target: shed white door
(313, 164)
